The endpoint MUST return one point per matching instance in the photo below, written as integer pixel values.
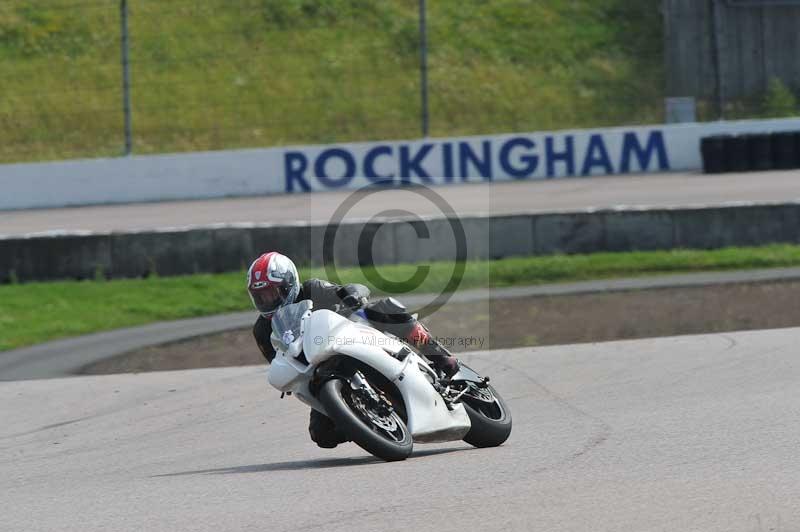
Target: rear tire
(491, 422)
(387, 445)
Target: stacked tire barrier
(751, 153)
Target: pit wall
(202, 250)
(442, 161)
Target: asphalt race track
(688, 433)
(501, 198)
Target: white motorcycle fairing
(289, 375)
(327, 334)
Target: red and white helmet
(272, 282)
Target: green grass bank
(220, 74)
(38, 312)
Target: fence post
(423, 65)
(126, 77)
(718, 52)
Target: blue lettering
(447, 161)
(467, 156)
(409, 166)
(369, 165)
(597, 155)
(655, 145)
(295, 165)
(349, 163)
(567, 156)
(530, 162)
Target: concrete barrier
(511, 236)
(638, 230)
(55, 257)
(578, 232)
(231, 248)
(165, 253)
(353, 166)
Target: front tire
(489, 415)
(384, 436)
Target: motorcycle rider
(273, 282)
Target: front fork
(375, 399)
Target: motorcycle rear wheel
(384, 436)
(489, 415)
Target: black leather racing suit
(324, 294)
(384, 314)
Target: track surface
(689, 433)
(500, 198)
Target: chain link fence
(220, 74)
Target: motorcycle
(381, 394)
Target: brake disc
(386, 422)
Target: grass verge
(38, 312)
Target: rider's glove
(353, 296)
(353, 302)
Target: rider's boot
(442, 360)
(323, 432)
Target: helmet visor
(267, 299)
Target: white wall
(349, 166)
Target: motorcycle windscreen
(286, 324)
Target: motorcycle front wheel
(380, 433)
